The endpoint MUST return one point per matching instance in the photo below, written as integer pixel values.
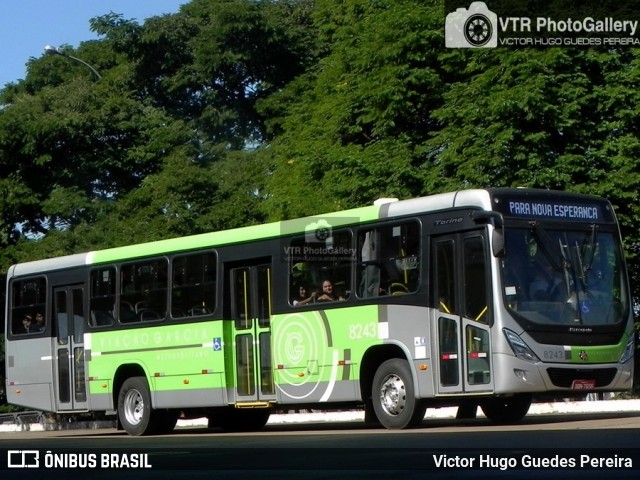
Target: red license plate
(583, 384)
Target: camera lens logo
(322, 233)
(478, 30)
(319, 231)
(471, 28)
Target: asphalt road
(584, 446)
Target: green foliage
(156, 146)
(348, 127)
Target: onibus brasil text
(96, 460)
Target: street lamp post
(51, 50)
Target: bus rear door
(29, 352)
(461, 322)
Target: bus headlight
(521, 349)
(627, 354)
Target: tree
(155, 141)
(68, 152)
(344, 133)
(210, 63)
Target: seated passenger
(302, 298)
(328, 294)
(39, 325)
(26, 324)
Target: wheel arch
(374, 357)
(127, 371)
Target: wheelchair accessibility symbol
(217, 344)
(585, 307)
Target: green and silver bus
(475, 298)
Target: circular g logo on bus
(301, 355)
(294, 347)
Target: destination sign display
(555, 209)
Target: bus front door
(68, 316)
(251, 315)
(462, 317)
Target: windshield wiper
(589, 249)
(558, 262)
(585, 256)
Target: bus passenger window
(370, 262)
(102, 297)
(317, 259)
(27, 306)
(389, 260)
(193, 285)
(143, 291)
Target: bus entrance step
(254, 405)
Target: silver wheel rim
(133, 407)
(393, 395)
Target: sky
(29, 25)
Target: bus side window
(389, 260)
(143, 291)
(193, 285)
(28, 300)
(320, 256)
(102, 294)
(370, 265)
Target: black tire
(393, 396)
(165, 421)
(135, 413)
(503, 410)
(231, 419)
(370, 417)
(467, 411)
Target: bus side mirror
(495, 219)
(497, 243)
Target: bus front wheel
(507, 409)
(393, 395)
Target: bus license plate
(583, 384)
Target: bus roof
(475, 198)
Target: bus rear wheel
(507, 409)
(135, 413)
(393, 395)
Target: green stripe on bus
(229, 237)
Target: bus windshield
(564, 277)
